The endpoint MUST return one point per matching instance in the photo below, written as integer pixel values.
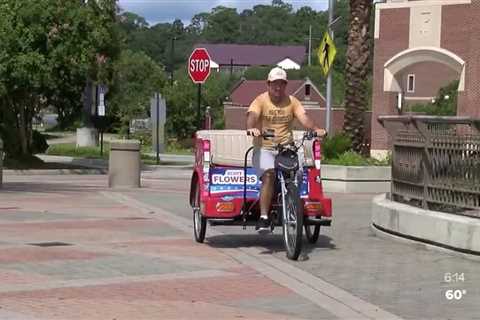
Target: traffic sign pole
(329, 78)
(199, 70)
(157, 133)
(199, 97)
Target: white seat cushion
(228, 147)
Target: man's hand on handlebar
(321, 133)
(253, 132)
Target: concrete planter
(442, 230)
(349, 179)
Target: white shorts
(264, 159)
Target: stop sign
(199, 65)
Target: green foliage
(334, 146)
(169, 44)
(351, 158)
(183, 147)
(275, 24)
(144, 137)
(39, 142)
(71, 150)
(48, 51)
(225, 19)
(445, 102)
(136, 78)
(182, 103)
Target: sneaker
(263, 225)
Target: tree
(131, 21)
(48, 49)
(223, 25)
(182, 102)
(136, 78)
(198, 23)
(356, 72)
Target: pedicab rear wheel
(199, 221)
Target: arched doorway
(420, 72)
(446, 66)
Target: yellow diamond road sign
(326, 53)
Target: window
(411, 83)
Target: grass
(177, 149)
(70, 150)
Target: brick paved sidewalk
(69, 252)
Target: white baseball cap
(277, 74)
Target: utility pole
(329, 78)
(157, 132)
(171, 60)
(309, 44)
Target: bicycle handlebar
(308, 135)
(265, 134)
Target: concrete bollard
(124, 164)
(87, 137)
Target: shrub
(351, 158)
(145, 137)
(336, 145)
(445, 102)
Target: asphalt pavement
(71, 248)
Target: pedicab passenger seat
(228, 147)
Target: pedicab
(225, 188)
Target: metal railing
(436, 162)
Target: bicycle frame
(283, 191)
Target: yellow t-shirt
(278, 118)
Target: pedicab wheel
(312, 232)
(199, 221)
(293, 225)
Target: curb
(9, 172)
(439, 230)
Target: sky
(155, 11)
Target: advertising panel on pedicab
(227, 181)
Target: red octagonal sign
(199, 65)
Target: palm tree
(356, 72)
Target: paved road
(130, 256)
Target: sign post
(157, 135)
(199, 70)
(158, 114)
(101, 91)
(326, 55)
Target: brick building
(436, 41)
